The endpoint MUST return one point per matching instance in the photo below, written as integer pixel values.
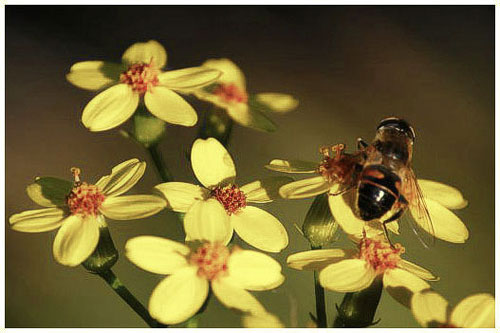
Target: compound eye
(399, 125)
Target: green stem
(122, 291)
(320, 298)
(159, 163)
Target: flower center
(231, 93)
(339, 168)
(211, 259)
(84, 199)
(141, 77)
(380, 255)
(231, 197)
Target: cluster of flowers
(215, 209)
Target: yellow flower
(348, 270)
(439, 199)
(139, 75)
(79, 208)
(220, 205)
(229, 273)
(432, 310)
(230, 93)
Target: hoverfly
(382, 175)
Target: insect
(382, 175)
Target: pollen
(336, 169)
(231, 197)
(141, 77)
(84, 199)
(211, 259)
(231, 93)
(379, 254)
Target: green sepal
(319, 226)
(49, 191)
(148, 130)
(105, 255)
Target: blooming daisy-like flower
(439, 199)
(431, 310)
(348, 270)
(229, 93)
(220, 206)
(139, 76)
(78, 209)
(230, 273)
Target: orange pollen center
(231, 93)
(84, 199)
(231, 197)
(380, 255)
(211, 259)
(141, 77)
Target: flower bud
(105, 255)
(319, 226)
(148, 130)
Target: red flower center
(339, 168)
(231, 197)
(84, 199)
(141, 77)
(231, 93)
(211, 259)
(380, 255)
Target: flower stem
(113, 281)
(320, 298)
(159, 163)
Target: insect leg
(342, 191)
(361, 144)
(391, 219)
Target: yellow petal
(122, 178)
(211, 163)
(348, 275)
(76, 240)
(293, 166)
(207, 220)
(417, 270)
(178, 297)
(248, 117)
(446, 195)
(150, 52)
(264, 320)
(447, 226)
(94, 75)
(110, 108)
(49, 191)
(230, 72)
(279, 103)
(342, 211)
(253, 270)
(181, 196)
(131, 207)
(402, 285)
(156, 254)
(305, 188)
(317, 259)
(264, 190)
(168, 106)
(235, 297)
(188, 78)
(475, 311)
(38, 220)
(260, 229)
(429, 308)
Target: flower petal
(211, 163)
(417, 270)
(188, 78)
(122, 178)
(348, 275)
(429, 308)
(178, 297)
(110, 108)
(150, 52)
(169, 106)
(156, 254)
(446, 195)
(94, 75)
(76, 240)
(276, 102)
(264, 320)
(231, 72)
(49, 191)
(475, 311)
(304, 188)
(260, 229)
(402, 285)
(341, 208)
(181, 196)
(235, 297)
(264, 190)
(207, 220)
(293, 166)
(248, 117)
(447, 226)
(131, 207)
(38, 220)
(317, 259)
(253, 270)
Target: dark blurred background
(350, 66)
